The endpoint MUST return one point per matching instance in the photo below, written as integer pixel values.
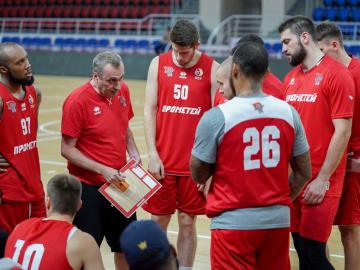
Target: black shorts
(99, 218)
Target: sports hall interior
(62, 37)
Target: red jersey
(354, 143)
(271, 86)
(18, 129)
(184, 94)
(321, 94)
(253, 155)
(40, 244)
(100, 126)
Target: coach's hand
(3, 164)
(112, 175)
(156, 167)
(315, 191)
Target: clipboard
(142, 185)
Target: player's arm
(156, 166)
(315, 191)
(214, 84)
(38, 98)
(83, 252)
(300, 161)
(131, 146)
(200, 170)
(203, 154)
(301, 172)
(72, 154)
(3, 161)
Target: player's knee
(162, 220)
(186, 222)
(350, 233)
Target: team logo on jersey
(169, 71)
(258, 107)
(318, 78)
(292, 81)
(351, 97)
(198, 73)
(122, 101)
(11, 106)
(23, 107)
(31, 101)
(182, 75)
(97, 110)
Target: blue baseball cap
(144, 244)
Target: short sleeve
(72, 121)
(208, 134)
(341, 94)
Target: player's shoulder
(354, 64)
(80, 241)
(80, 93)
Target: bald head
(7, 50)
(15, 68)
(223, 76)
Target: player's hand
(156, 167)
(112, 175)
(137, 159)
(204, 187)
(3, 164)
(315, 191)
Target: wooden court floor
(54, 90)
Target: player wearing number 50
(178, 91)
(246, 145)
(21, 190)
(53, 242)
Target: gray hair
(104, 58)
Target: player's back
(40, 244)
(253, 155)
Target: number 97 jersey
(18, 145)
(184, 94)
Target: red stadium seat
(75, 12)
(10, 26)
(84, 12)
(104, 11)
(30, 25)
(66, 12)
(123, 12)
(57, 12)
(114, 12)
(108, 27)
(48, 12)
(67, 26)
(48, 25)
(94, 12)
(22, 12)
(39, 12)
(134, 12)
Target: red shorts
(177, 192)
(12, 213)
(349, 207)
(266, 249)
(314, 221)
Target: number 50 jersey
(18, 129)
(184, 94)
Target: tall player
(53, 242)
(179, 90)
(271, 84)
(331, 43)
(246, 145)
(21, 190)
(322, 91)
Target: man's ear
(197, 45)
(3, 69)
(235, 71)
